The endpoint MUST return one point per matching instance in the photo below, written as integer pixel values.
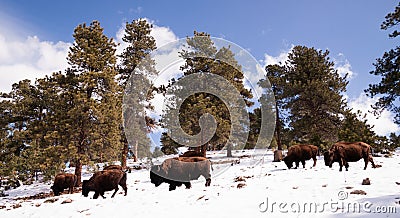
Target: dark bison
(113, 167)
(103, 181)
(63, 181)
(191, 154)
(344, 152)
(180, 170)
(300, 153)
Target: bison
(103, 181)
(63, 181)
(344, 152)
(113, 167)
(300, 153)
(181, 170)
(191, 153)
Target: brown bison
(300, 153)
(113, 167)
(191, 154)
(63, 181)
(180, 170)
(103, 181)
(344, 152)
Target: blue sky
(350, 30)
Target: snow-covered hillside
(268, 189)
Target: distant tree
(140, 45)
(388, 68)
(354, 128)
(394, 141)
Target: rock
(358, 192)
(66, 201)
(324, 185)
(240, 185)
(15, 206)
(51, 200)
(240, 179)
(348, 187)
(366, 182)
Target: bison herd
(341, 152)
(181, 170)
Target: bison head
(156, 179)
(85, 188)
(288, 162)
(328, 158)
(55, 191)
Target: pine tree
(388, 68)
(310, 91)
(203, 57)
(354, 128)
(137, 64)
(94, 118)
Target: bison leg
(96, 195)
(115, 191)
(125, 189)
(340, 165)
(188, 185)
(208, 182)
(172, 187)
(71, 190)
(303, 162)
(315, 161)
(123, 185)
(372, 161)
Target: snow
(271, 190)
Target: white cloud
(383, 125)
(280, 59)
(343, 66)
(162, 35)
(29, 58)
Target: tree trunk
(78, 172)
(278, 156)
(278, 129)
(229, 150)
(135, 153)
(124, 154)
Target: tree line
(73, 117)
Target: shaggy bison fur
(103, 181)
(300, 153)
(344, 152)
(180, 170)
(191, 154)
(63, 181)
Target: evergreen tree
(388, 68)
(310, 91)
(203, 57)
(137, 64)
(95, 117)
(354, 128)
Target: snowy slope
(270, 191)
